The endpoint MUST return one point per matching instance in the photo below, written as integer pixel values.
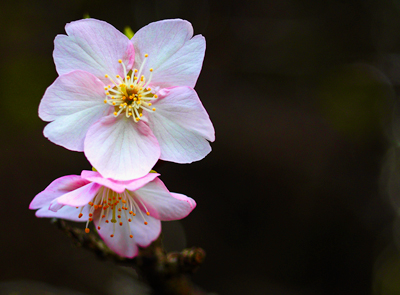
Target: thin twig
(166, 273)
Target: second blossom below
(126, 214)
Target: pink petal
(145, 234)
(117, 185)
(73, 102)
(175, 57)
(120, 243)
(66, 212)
(181, 125)
(120, 148)
(81, 196)
(55, 206)
(162, 204)
(93, 46)
(57, 188)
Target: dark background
(301, 190)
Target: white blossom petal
(174, 55)
(93, 46)
(181, 125)
(121, 149)
(73, 102)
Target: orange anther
(129, 220)
(120, 223)
(98, 227)
(103, 216)
(90, 214)
(145, 222)
(87, 230)
(130, 212)
(107, 221)
(131, 236)
(90, 203)
(90, 219)
(148, 213)
(96, 207)
(111, 236)
(119, 216)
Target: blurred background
(301, 191)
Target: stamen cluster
(109, 204)
(131, 94)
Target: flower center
(115, 208)
(131, 94)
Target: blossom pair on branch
(126, 103)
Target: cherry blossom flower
(125, 213)
(127, 103)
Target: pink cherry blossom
(126, 214)
(127, 103)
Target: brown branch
(166, 273)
